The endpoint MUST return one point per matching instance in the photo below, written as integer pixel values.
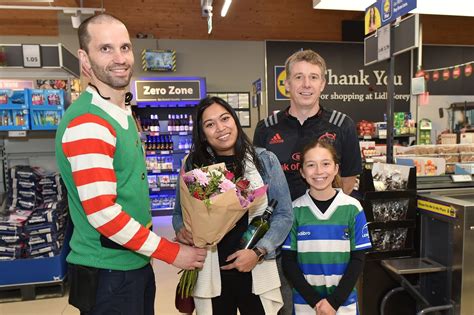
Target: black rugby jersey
(283, 134)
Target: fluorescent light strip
(225, 7)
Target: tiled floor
(166, 279)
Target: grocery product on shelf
(424, 131)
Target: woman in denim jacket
(248, 279)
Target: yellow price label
(448, 211)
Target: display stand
(28, 279)
(390, 239)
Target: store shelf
(158, 189)
(384, 138)
(163, 171)
(166, 152)
(161, 212)
(167, 133)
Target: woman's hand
(184, 236)
(245, 260)
(324, 308)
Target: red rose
(242, 184)
(196, 195)
(229, 175)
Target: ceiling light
(225, 7)
(76, 20)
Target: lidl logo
(280, 77)
(392, 9)
(387, 10)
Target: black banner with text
(351, 87)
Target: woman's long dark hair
(201, 152)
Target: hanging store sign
(393, 9)
(169, 92)
(31, 56)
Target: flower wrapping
(212, 201)
(209, 219)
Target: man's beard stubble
(113, 82)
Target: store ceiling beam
(25, 1)
(67, 10)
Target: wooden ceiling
(246, 20)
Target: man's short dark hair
(83, 33)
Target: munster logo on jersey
(328, 137)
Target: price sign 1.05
(31, 56)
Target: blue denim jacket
(282, 217)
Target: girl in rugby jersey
(324, 253)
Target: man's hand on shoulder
(190, 257)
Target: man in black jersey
(287, 132)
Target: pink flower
(188, 179)
(226, 185)
(229, 175)
(201, 177)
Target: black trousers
(125, 292)
(236, 294)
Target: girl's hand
(324, 308)
(185, 237)
(245, 260)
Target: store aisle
(166, 279)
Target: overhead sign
(383, 12)
(31, 56)
(169, 92)
(405, 37)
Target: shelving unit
(403, 139)
(164, 164)
(393, 234)
(33, 145)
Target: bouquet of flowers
(212, 201)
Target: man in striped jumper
(287, 132)
(101, 160)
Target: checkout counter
(446, 264)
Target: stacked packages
(36, 214)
